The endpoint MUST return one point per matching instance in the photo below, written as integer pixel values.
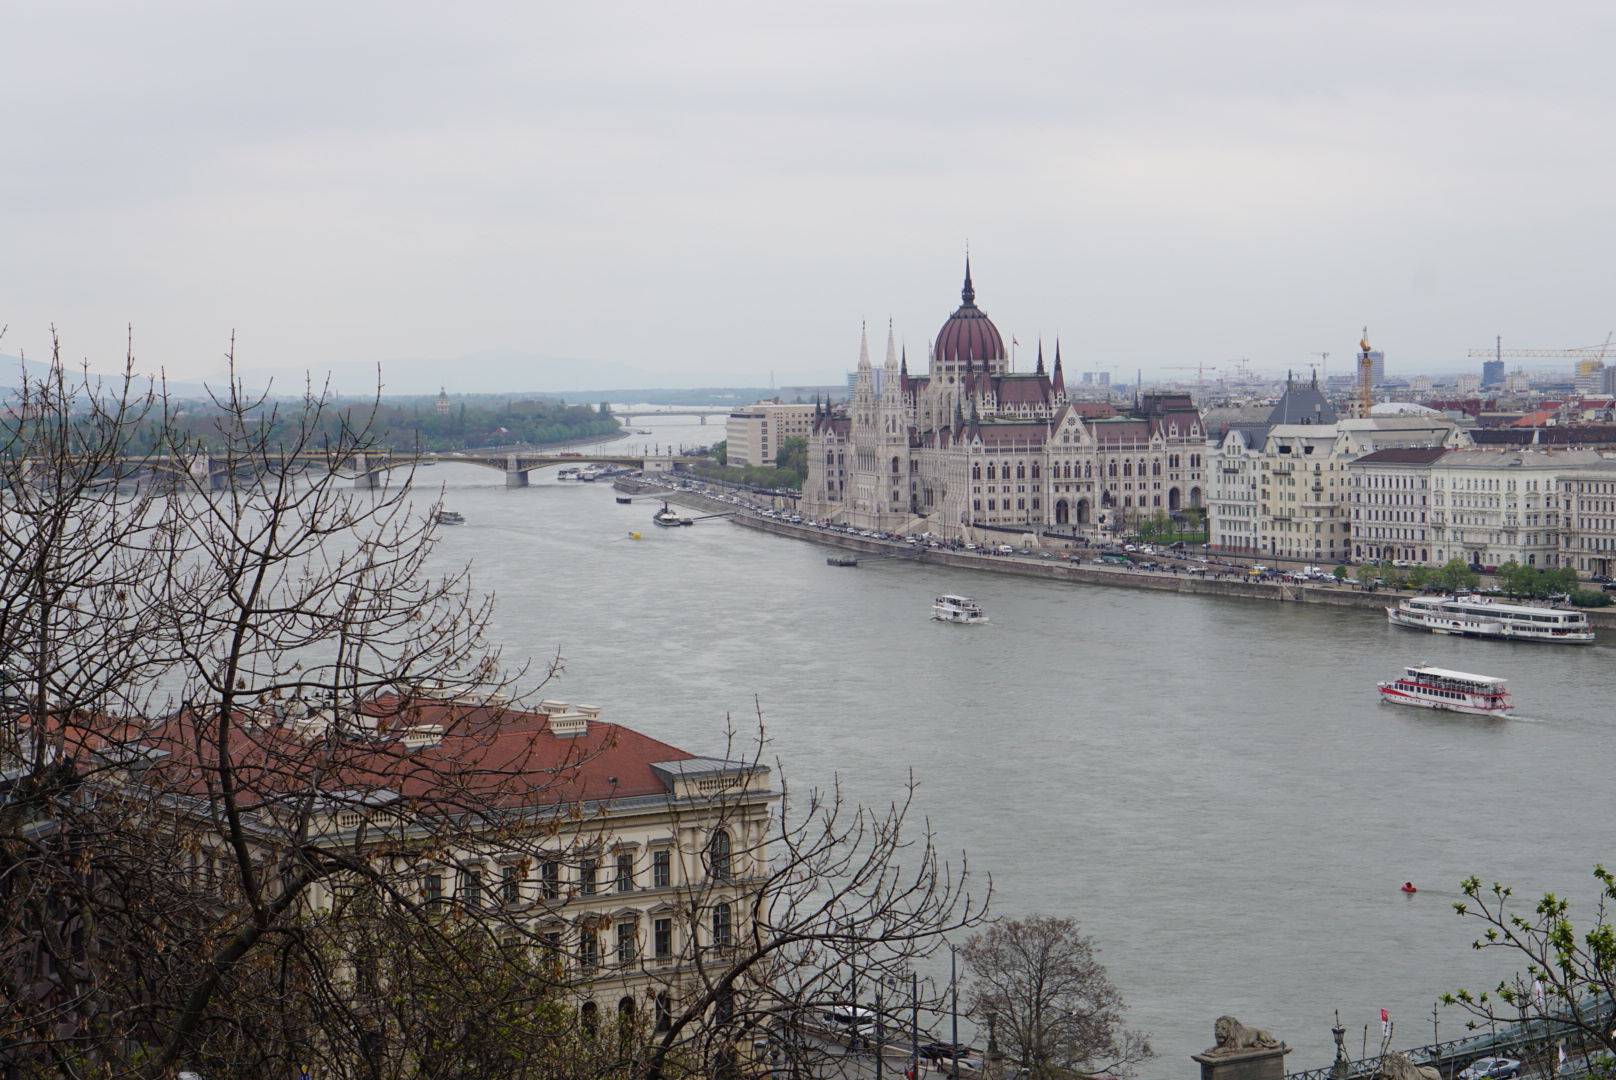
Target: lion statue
(1395, 1066)
(1236, 1038)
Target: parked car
(1492, 1068)
(939, 1051)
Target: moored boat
(1453, 691)
(841, 560)
(957, 609)
(449, 517)
(1481, 616)
(666, 517)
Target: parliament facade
(972, 444)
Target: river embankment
(1185, 581)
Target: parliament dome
(969, 333)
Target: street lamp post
(953, 982)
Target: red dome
(969, 333)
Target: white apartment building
(1487, 507)
(1281, 489)
(1588, 525)
(1232, 499)
(754, 435)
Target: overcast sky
(734, 187)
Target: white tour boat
(1480, 616)
(1455, 691)
(960, 609)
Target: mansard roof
(1303, 403)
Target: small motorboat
(667, 518)
(624, 500)
(1408, 887)
(841, 560)
(957, 609)
(449, 517)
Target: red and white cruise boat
(1455, 691)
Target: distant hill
(12, 368)
(495, 371)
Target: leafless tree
(257, 756)
(1038, 983)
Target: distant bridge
(368, 468)
(703, 413)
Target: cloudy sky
(733, 188)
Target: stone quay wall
(1092, 574)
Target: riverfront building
(1281, 488)
(1427, 506)
(1588, 533)
(971, 444)
(754, 435)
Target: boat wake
(1526, 719)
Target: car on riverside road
(1492, 1068)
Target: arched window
(1127, 468)
(664, 1012)
(718, 855)
(1021, 471)
(625, 1019)
(976, 471)
(830, 458)
(894, 466)
(721, 926)
(1113, 469)
(1155, 468)
(1088, 470)
(993, 471)
(1035, 471)
(590, 1015)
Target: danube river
(1209, 786)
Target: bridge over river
(368, 469)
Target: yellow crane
(1366, 376)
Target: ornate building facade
(971, 444)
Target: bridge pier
(364, 478)
(514, 475)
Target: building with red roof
(626, 855)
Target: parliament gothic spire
(970, 446)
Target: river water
(1209, 786)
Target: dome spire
(968, 293)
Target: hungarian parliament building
(971, 444)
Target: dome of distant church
(969, 333)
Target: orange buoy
(1408, 887)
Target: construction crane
(1594, 353)
(1366, 376)
(1324, 362)
(1585, 352)
(1200, 376)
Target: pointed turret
(1040, 369)
(864, 347)
(1059, 382)
(892, 346)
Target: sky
(705, 191)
